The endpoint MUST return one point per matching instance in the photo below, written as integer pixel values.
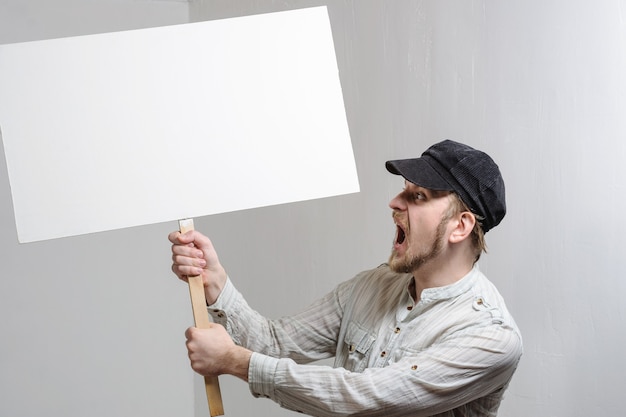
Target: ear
(464, 224)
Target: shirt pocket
(358, 342)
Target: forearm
(324, 391)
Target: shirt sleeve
(443, 377)
(305, 337)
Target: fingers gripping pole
(201, 319)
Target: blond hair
(457, 206)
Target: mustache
(397, 218)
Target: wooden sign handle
(201, 319)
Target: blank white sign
(129, 128)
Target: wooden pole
(201, 319)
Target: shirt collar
(453, 290)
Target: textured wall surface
(540, 86)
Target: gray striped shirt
(451, 354)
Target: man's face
(419, 215)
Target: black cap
(453, 166)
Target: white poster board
(121, 129)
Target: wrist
(214, 287)
(239, 362)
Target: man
(424, 335)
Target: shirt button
(409, 308)
(414, 367)
(351, 348)
(383, 354)
(397, 330)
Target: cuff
(261, 375)
(217, 310)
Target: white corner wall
(538, 84)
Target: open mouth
(400, 235)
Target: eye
(418, 196)
(414, 195)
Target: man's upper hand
(193, 254)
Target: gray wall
(93, 325)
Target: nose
(398, 203)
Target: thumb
(188, 333)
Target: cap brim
(419, 172)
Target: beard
(411, 262)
